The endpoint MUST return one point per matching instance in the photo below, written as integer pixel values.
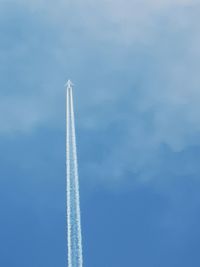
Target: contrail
(75, 257)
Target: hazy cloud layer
(135, 66)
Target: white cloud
(167, 28)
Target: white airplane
(69, 84)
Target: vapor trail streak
(75, 258)
(78, 218)
(68, 181)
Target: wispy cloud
(135, 66)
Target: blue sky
(135, 65)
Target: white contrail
(75, 258)
(68, 180)
(80, 256)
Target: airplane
(69, 84)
